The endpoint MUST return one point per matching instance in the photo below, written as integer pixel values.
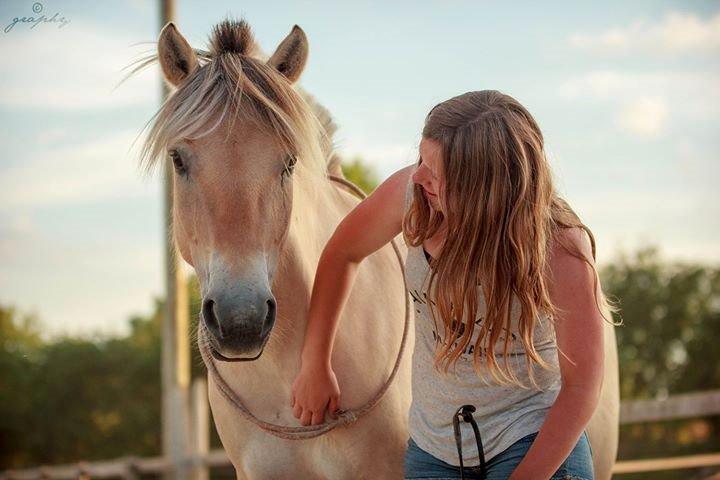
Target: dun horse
(253, 208)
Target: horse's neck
(310, 228)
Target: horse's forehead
(249, 129)
(222, 162)
(239, 143)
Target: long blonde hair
(502, 216)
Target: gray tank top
(504, 414)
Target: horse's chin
(219, 356)
(230, 352)
(243, 356)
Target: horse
(253, 207)
(252, 210)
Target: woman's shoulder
(571, 263)
(569, 241)
(401, 181)
(404, 175)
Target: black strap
(465, 412)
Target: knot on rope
(346, 417)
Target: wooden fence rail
(675, 407)
(690, 405)
(686, 405)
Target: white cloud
(600, 84)
(644, 116)
(14, 229)
(608, 84)
(677, 32)
(73, 68)
(79, 173)
(645, 102)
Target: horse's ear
(291, 55)
(177, 58)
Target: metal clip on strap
(466, 413)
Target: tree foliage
(667, 345)
(361, 174)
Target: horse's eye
(180, 167)
(290, 162)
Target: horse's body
(254, 236)
(365, 349)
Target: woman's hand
(314, 390)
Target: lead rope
(465, 412)
(344, 417)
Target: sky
(627, 95)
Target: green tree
(20, 344)
(672, 313)
(361, 174)
(76, 399)
(667, 345)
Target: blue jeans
(419, 464)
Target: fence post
(131, 470)
(200, 441)
(175, 327)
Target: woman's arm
(373, 223)
(579, 333)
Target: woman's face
(428, 174)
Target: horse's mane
(329, 128)
(233, 78)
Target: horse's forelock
(232, 36)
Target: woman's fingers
(310, 417)
(306, 417)
(332, 406)
(297, 410)
(318, 417)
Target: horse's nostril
(271, 309)
(211, 320)
(269, 318)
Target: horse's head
(235, 133)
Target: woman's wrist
(314, 355)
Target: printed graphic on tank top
(504, 414)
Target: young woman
(490, 238)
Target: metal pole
(175, 334)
